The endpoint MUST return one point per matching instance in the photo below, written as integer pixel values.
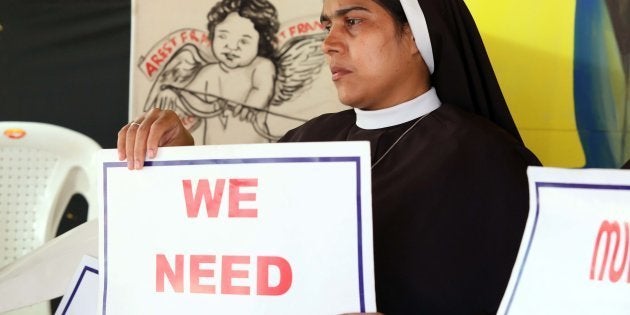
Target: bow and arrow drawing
(230, 84)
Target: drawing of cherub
(229, 97)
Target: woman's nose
(332, 43)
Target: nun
(450, 191)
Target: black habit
(450, 203)
(450, 200)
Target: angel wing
(298, 61)
(178, 72)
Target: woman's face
(235, 41)
(374, 64)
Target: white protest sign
(82, 295)
(238, 229)
(574, 257)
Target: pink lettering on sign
(164, 271)
(171, 278)
(236, 196)
(299, 28)
(618, 262)
(159, 55)
(196, 274)
(229, 272)
(211, 198)
(286, 276)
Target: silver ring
(134, 123)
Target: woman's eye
(327, 27)
(353, 22)
(244, 41)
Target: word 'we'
(212, 197)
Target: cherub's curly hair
(261, 12)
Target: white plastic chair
(41, 167)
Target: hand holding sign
(247, 229)
(141, 138)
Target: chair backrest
(41, 167)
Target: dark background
(66, 63)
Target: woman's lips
(339, 72)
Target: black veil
(462, 74)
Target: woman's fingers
(167, 130)
(121, 142)
(141, 135)
(141, 138)
(130, 142)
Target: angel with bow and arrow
(230, 92)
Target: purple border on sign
(540, 185)
(353, 159)
(76, 287)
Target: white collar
(398, 114)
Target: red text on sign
(618, 262)
(163, 51)
(301, 28)
(231, 268)
(212, 198)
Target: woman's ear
(409, 40)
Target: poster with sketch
(235, 71)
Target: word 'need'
(202, 278)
